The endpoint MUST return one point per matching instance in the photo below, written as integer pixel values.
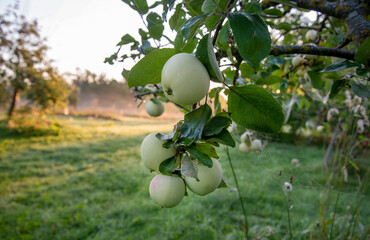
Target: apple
(320, 128)
(256, 145)
(209, 179)
(152, 152)
(154, 109)
(297, 60)
(243, 147)
(311, 35)
(185, 80)
(244, 136)
(167, 191)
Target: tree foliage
(24, 66)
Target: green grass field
(88, 182)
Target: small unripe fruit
(244, 137)
(256, 145)
(209, 179)
(297, 60)
(320, 128)
(311, 35)
(152, 152)
(184, 79)
(154, 109)
(167, 191)
(243, 147)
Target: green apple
(184, 79)
(244, 137)
(154, 109)
(297, 60)
(243, 147)
(209, 179)
(311, 35)
(256, 145)
(152, 152)
(167, 191)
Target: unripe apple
(311, 35)
(209, 179)
(256, 145)
(297, 60)
(243, 147)
(184, 79)
(154, 109)
(320, 128)
(167, 191)
(244, 137)
(152, 152)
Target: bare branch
(313, 50)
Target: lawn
(87, 182)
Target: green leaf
(140, 6)
(189, 29)
(340, 66)
(223, 184)
(223, 36)
(188, 167)
(360, 90)
(148, 70)
(212, 21)
(209, 6)
(253, 7)
(216, 124)
(184, 141)
(224, 137)
(178, 18)
(203, 158)
(285, 26)
(362, 71)
(273, 12)
(207, 149)
(194, 122)
(336, 87)
(167, 165)
(125, 73)
(194, 7)
(155, 25)
(363, 52)
(315, 80)
(251, 36)
(207, 56)
(246, 70)
(255, 108)
(126, 39)
(268, 80)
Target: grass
(87, 182)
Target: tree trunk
(15, 98)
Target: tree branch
(313, 50)
(352, 13)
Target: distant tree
(24, 66)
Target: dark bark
(15, 98)
(352, 12)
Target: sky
(81, 33)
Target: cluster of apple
(185, 81)
(300, 62)
(247, 144)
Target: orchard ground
(88, 182)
